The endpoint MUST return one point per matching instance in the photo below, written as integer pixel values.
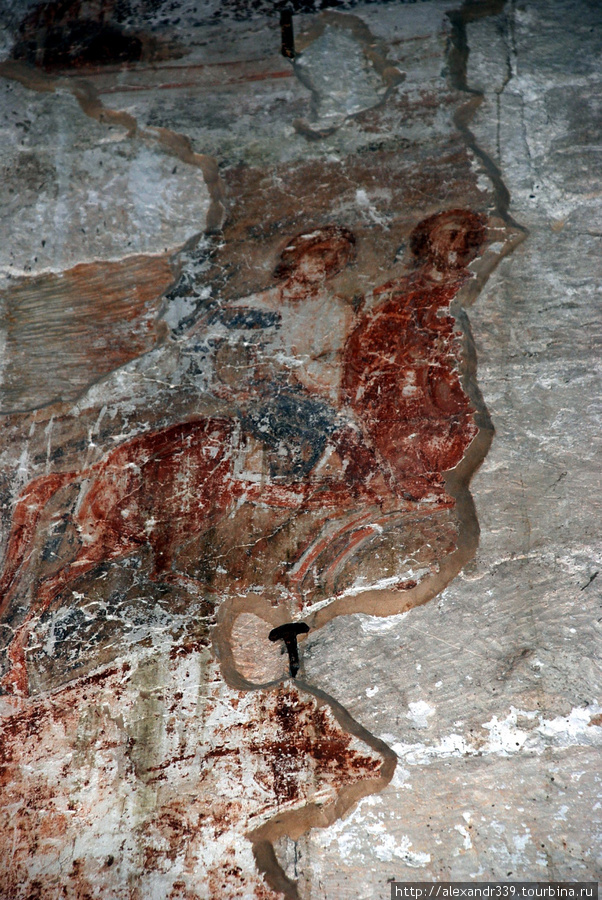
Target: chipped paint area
(519, 731)
(367, 819)
(78, 191)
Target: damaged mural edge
(375, 602)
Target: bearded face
(449, 241)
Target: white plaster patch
(361, 585)
(363, 201)
(506, 737)
(574, 728)
(367, 821)
(390, 848)
(401, 777)
(467, 842)
(422, 754)
(378, 624)
(419, 713)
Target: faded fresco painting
(288, 437)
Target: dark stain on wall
(72, 34)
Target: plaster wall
(196, 448)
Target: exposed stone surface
(251, 398)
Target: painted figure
(159, 489)
(339, 423)
(313, 322)
(401, 373)
(402, 400)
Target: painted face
(449, 240)
(312, 268)
(312, 257)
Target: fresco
(346, 423)
(296, 445)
